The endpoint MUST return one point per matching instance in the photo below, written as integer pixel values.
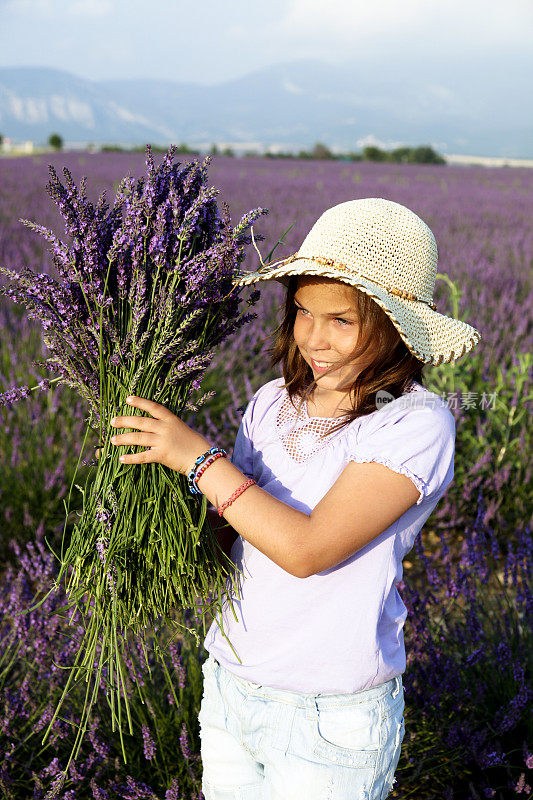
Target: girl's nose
(317, 340)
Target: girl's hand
(170, 441)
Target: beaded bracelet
(207, 464)
(235, 494)
(201, 464)
(191, 475)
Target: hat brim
(432, 337)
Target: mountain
(468, 107)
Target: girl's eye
(337, 319)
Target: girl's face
(326, 329)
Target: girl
(335, 469)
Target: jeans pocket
(393, 708)
(394, 759)
(211, 691)
(348, 735)
(208, 664)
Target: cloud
(241, 37)
(49, 8)
(291, 87)
(343, 27)
(89, 8)
(346, 18)
(32, 6)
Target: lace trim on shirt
(402, 470)
(301, 435)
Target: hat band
(330, 262)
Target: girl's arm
(363, 503)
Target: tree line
(422, 154)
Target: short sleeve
(416, 442)
(242, 455)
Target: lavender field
(467, 582)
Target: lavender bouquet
(145, 298)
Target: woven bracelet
(235, 494)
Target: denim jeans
(259, 743)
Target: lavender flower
(450, 655)
(27, 694)
(172, 793)
(177, 662)
(149, 744)
(447, 696)
(184, 742)
(145, 297)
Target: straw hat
(389, 253)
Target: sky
(211, 41)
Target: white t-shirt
(340, 630)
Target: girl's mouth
(319, 368)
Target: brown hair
(390, 364)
